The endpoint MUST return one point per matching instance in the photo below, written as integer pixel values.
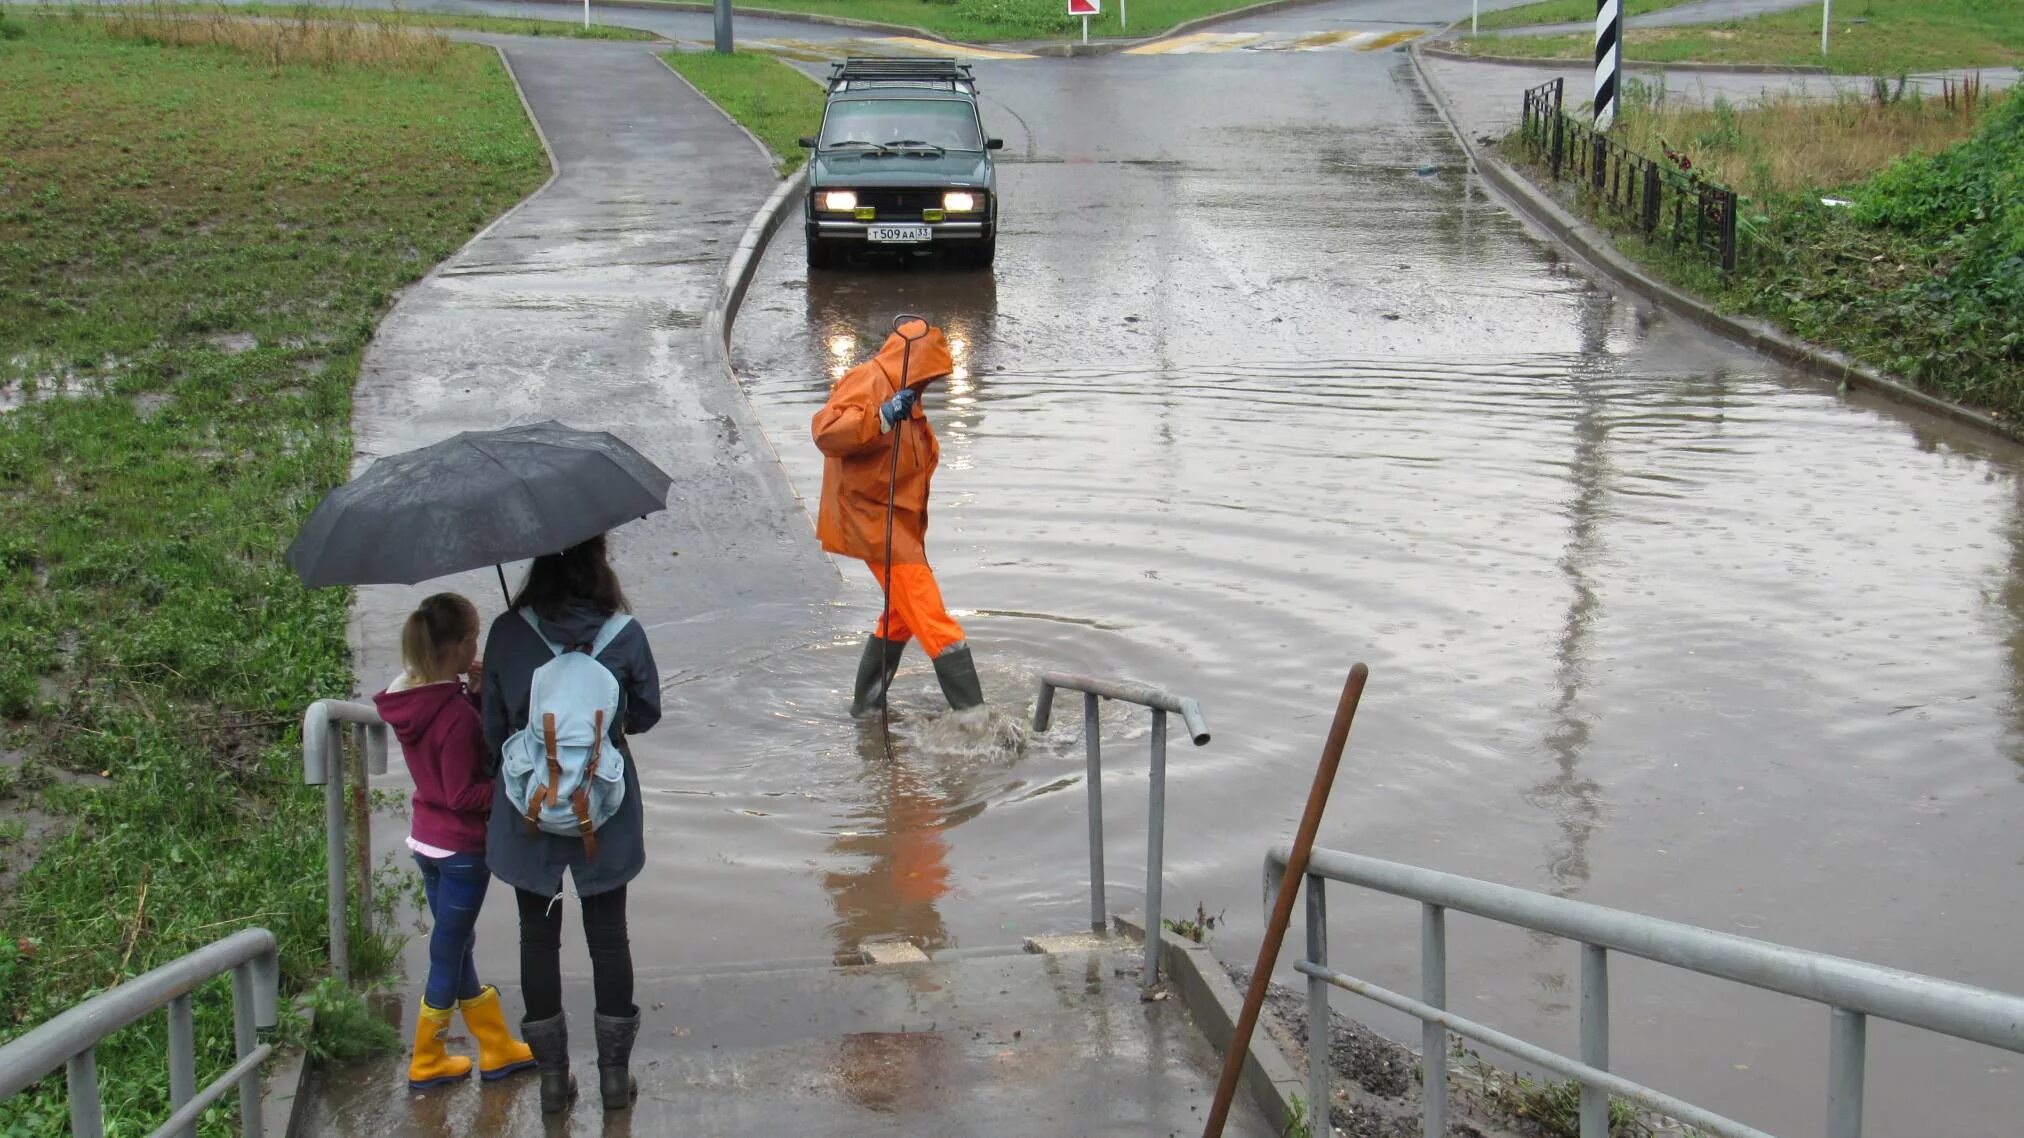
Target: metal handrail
(1162, 703)
(1853, 989)
(71, 1039)
(324, 764)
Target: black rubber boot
(958, 675)
(615, 1035)
(549, 1040)
(875, 670)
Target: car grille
(900, 205)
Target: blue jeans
(456, 890)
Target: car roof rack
(866, 71)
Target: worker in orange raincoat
(872, 409)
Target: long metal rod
(333, 876)
(1978, 1015)
(1156, 842)
(1282, 909)
(1124, 691)
(1540, 1057)
(1594, 1037)
(360, 788)
(87, 1116)
(1092, 742)
(1434, 1037)
(186, 1116)
(1320, 1023)
(182, 1058)
(246, 1039)
(1846, 1052)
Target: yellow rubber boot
(499, 1054)
(431, 1065)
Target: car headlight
(839, 201)
(959, 202)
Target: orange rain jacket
(852, 517)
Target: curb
(281, 1091)
(1628, 65)
(1053, 50)
(765, 151)
(744, 264)
(766, 14)
(1594, 247)
(1216, 1005)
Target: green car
(902, 164)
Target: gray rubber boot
(615, 1035)
(875, 671)
(958, 675)
(549, 1040)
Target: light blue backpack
(561, 772)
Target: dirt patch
(25, 831)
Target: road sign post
(723, 29)
(1826, 19)
(1608, 60)
(1086, 9)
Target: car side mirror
(807, 141)
(994, 144)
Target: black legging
(611, 969)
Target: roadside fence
(1663, 201)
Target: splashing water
(984, 732)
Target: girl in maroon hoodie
(434, 712)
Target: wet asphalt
(1264, 384)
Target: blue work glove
(897, 408)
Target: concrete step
(999, 1043)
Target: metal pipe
(1156, 845)
(1847, 1050)
(1594, 1037)
(361, 834)
(1961, 1010)
(1282, 909)
(188, 1115)
(1542, 1058)
(1092, 741)
(1126, 691)
(246, 1039)
(375, 748)
(1434, 1037)
(333, 872)
(722, 9)
(1320, 1025)
(182, 1059)
(87, 1116)
(1826, 18)
(25, 1059)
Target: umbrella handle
(503, 591)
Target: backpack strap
(534, 622)
(613, 625)
(580, 801)
(545, 795)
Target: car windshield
(948, 124)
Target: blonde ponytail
(437, 624)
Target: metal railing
(1659, 198)
(326, 763)
(71, 1040)
(1162, 703)
(1853, 991)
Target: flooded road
(1263, 385)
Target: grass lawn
(1871, 37)
(770, 99)
(195, 243)
(1564, 12)
(505, 25)
(998, 21)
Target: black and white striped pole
(1608, 60)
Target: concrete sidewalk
(1004, 1045)
(1488, 98)
(586, 304)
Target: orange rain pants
(917, 609)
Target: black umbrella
(478, 498)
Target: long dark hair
(579, 573)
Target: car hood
(952, 169)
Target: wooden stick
(1282, 909)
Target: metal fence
(1851, 990)
(1162, 703)
(326, 763)
(1663, 201)
(71, 1040)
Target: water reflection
(897, 859)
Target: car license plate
(899, 234)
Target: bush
(1018, 17)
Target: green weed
(195, 244)
(347, 1029)
(1196, 930)
(772, 100)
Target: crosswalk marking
(1196, 43)
(826, 51)
(938, 48)
(1193, 43)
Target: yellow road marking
(960, 51)
(1197, 43)
(1392, 39)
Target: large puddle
(1252, 396)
